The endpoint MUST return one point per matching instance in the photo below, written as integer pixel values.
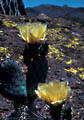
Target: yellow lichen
(75, 43)
(66, 29)
(3, 49)
(80, 69)
(21, 57)
(50, 56)
(1, 58)
(58, 24)
(82, 47)
(72, 44)
(54, 92)
(74, 71)
(68, 45)
(56, 33)
(82, 75)
(53, 50)
(9, 23)
(69, 62)
(76, 38)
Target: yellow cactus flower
(54, 92)
(33, 32)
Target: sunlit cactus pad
(54, 92)
(33, 32)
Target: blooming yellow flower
(54, 92)
(33, 32)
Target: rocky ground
(65, 60)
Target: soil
(65, 63)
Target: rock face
(53, 11)
(12, 7)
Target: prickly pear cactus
(12, 79)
